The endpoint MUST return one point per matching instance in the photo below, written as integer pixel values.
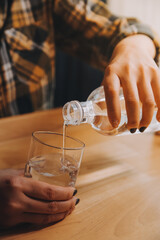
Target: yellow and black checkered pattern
(84, 28)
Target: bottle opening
(72, 113)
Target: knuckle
(132, 102)
(109, 70)
(11, 181)
(149, 103)
(53, 207)
(50, 193)
(111, 91)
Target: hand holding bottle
(133, 68)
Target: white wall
(147, 11)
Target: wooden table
(118, 184)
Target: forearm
(91, 32)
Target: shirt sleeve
(87, 29)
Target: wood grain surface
(118, 184)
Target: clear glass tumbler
(53, 162)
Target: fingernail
(75, 192)
(142, 129)
(77, 201)
(133, 130)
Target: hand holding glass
(49, 161)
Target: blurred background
(75, 79)
(147, 11)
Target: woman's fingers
(20, 195)
(155, 83)
(147, 100)
(143, 86)
(54, 207)
(45, 191)
(40, 212)
(131, 96)
(111, 84)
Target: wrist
(139, 42)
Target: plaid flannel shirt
(86, 29)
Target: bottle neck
(76, 113)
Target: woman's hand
(24, 200)
(133, 68)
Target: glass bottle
(94, 112)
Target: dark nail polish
(142, 129)
(75, 192)
(77, 201)
(133, 130)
